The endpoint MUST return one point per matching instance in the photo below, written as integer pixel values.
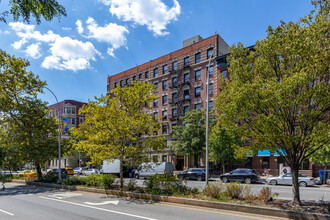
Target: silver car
(286, 179)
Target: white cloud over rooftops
(152, 13)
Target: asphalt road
(32, 202)
(311, 193)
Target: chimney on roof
(191, 41)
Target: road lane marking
(97, 208)
(8, 213)
(218, 212)
(64, 195)
(103, 203)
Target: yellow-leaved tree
(119, 126)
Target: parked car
(91, 171)
(29, 173)
(243, 175)
(150, 169)
(193, 174)
(69, 171)
(55, 171)
(286, 179)
(79, 170)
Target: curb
(275, 212)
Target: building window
(198, 106)
(174, 97)
(198, 75)
(186, 94)
(155, 158)
(174, 81)
(146, 75)
(116, 84)
(156, 103)
(265, 163)
(174, 112)
(156, 114)
(67, 110)
(121, 83)
(198, 92)
(185, 109)
(164, 84)
(211, 88)
(164, 158)
(186, 61)
(73, 121)
(127, 81)
(140, 76)
(156, 84)
(164, 69)
(155, 72)
(224, 74)
(164, 129)
(164, 100)
(209, 53)
(81, 120)
(210, 71)
(134, 78)
(197, 57)
(175, 65)
(186, 78)
(164, 113)
(210, 105)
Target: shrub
(107, 181)
(163, 184)
(131, 185)
(48, 179)
(214, 190)
(93, 180)
(265, 194)
(234, 190)
(74, 180)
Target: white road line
(103, 203)
(97, 208)
(8, 213)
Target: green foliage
(234, 190)
(49, 179)
(35, 8)
(131, 185)
(104, 181)
(215, 191)
(190, 136)
(222, 145)
(279, 91)
(321, 156)
(113, 124)
(163, 184)
(74, 180)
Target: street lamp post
(59, 139)
(207, 123)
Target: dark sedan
(243, 175)
(192, 174)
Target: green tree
(321, 156)
(190, 136)
(279, 91)
(114, 123)
(35, 8)
(222, 146)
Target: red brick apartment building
(180, 77)
(68, 110)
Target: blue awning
(263, 153)
(281, 151)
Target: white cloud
(112, 34)
(66, 53)
(33, 51)
(79, 26)
(66, 28)
(152, 13)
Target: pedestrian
(284, 170)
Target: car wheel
(247, 180)
(199, 178)
(302, 184)
(273, 182)
(225, 179)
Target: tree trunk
(39, 174)
(121, 174)
(295, 185)
(223, 168)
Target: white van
(150, 169)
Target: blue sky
(104, 37)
